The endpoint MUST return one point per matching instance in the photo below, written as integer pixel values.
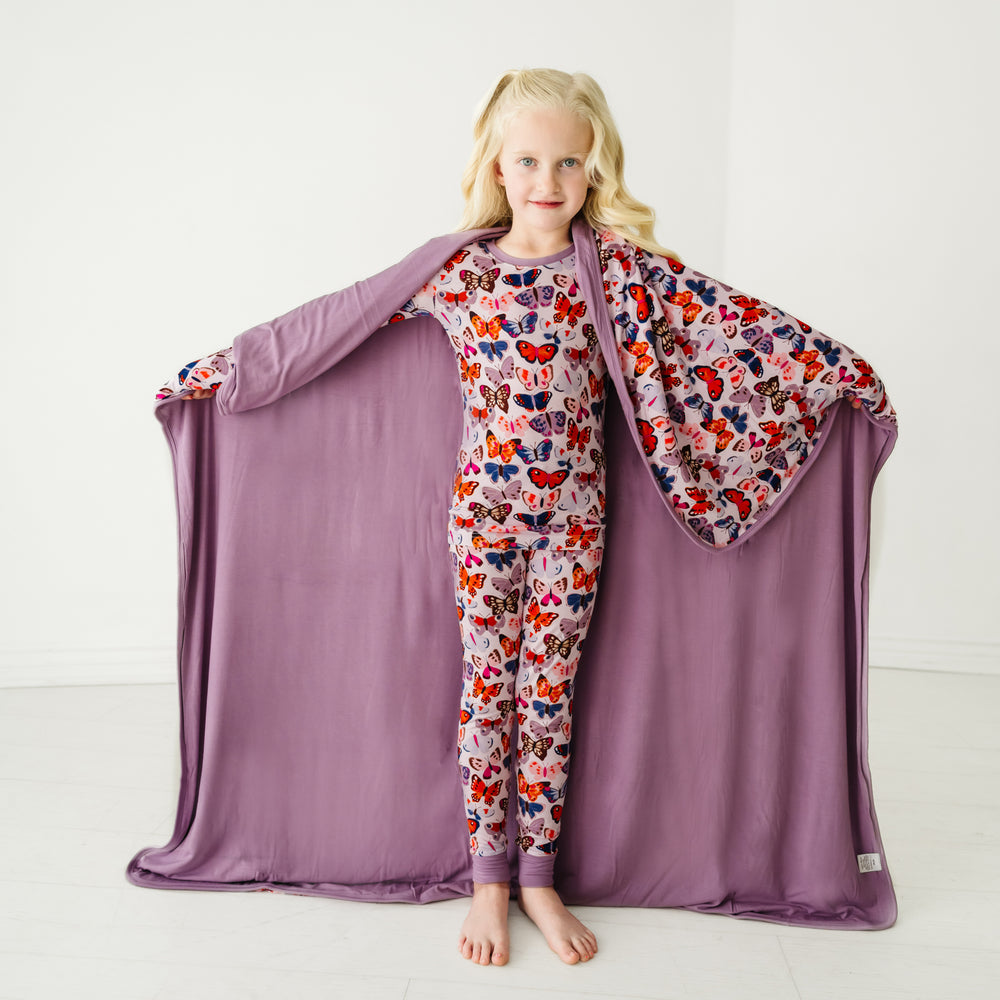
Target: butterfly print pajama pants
(523, 614)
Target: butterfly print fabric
(530, 468)
(529, 476)
(524, 614)
(727, 391)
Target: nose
(548, 180)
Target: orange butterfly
(718, 428)
(537, 618)
(491, 328)
(551, 691)
(808, 358)
(470, 581)
(503, 449)
(533, 790)
(469, 372)
(643, 359)
(689, 308)
(582, 580)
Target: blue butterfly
(529, 807)
(532, 401)
(789, 333)
(495, 470)
(703, 406)
(501, 558)
(578, 602)
(539, 453)
(826, 348)
(493, 349)
(543, 708)
(737, 419)
(664, 478)
(703, 290)
(770, 477)
(750, 359)
(536, 520)
(527, 279)
(515, 328)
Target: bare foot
(484, 937)
(572, 941)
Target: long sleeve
(205, 373)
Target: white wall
(178, 173)
(862, 197)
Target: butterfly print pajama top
(530, 468)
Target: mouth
(547, 204)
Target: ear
(498, 173)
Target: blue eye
(571, 160)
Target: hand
(856, 403)
(199, 394)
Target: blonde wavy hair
(609, 204)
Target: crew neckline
(528, 261)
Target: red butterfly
(480, 790)
(752, 309)
(675, 265)
(701, 501)
(545, 479)
(580, 537)
(543, 353)
(449, 265)
(649, 440)
(578, 438)
(741, 500)
(644, 301)
(713, 383)
(569, 311)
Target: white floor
(89, 776)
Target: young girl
(526, 521)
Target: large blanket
(720, 706)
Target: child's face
(541, 170)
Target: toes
(499, 956)
(570, 956)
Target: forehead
(547, 128)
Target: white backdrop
(174, 174)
